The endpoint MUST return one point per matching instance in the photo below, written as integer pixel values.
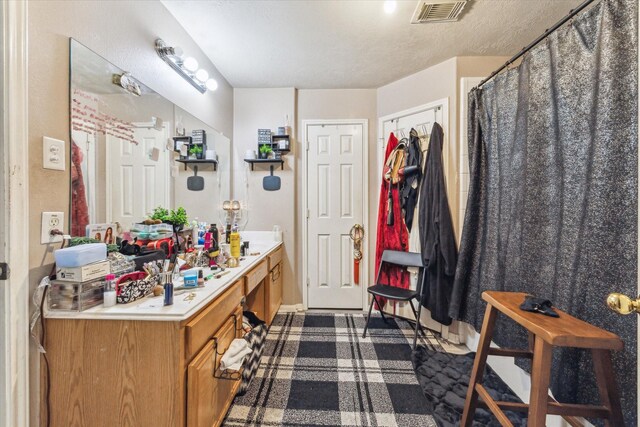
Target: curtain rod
(571, 14)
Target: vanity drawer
(201, 328)
(275, 258)
(255, 276)
(208, 395)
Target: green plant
(195, 150)
(178, 217)
(265, 149)
(160, 213)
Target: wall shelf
(265, 161)
(198, 162)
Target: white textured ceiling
(351, 44)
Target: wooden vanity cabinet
(209, 392)
(263, 287)
(255, 289)
(273, 286)
(108, 373)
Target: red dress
(79, 206)
(394, 236)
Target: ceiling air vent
(438, 11)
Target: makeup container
(109, 290)
(168, 288)
(191, 279)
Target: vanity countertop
(152, 308)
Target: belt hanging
(357, 234)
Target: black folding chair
(401, 259)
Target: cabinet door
(274, 294)
(208, 395)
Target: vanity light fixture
(186, 67)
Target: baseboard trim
(293, 308)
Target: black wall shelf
(265, 161)
(198, 162)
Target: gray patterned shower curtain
(553, 198)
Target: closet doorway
(132, 167)
(335, 196)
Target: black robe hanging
(436, 233)
(411, 184)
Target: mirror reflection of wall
(205, 205)
(122, 153)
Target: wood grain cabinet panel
(255, 276)
(273, 294)
(209, 393)
(275, 258)
(200, 329)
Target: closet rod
(435, 107)
(571, 14)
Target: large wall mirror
(124, 161)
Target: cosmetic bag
(133, 286)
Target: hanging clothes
(409, 190)
(79, 206)
(394, 236)
(414, 234)
(436, 233)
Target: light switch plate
(53, 154)
(51, 221)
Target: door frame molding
(364, 263)
(14, 293)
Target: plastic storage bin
(77, 256)
(66, 296)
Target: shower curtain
(553, 199)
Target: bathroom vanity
(144, 364)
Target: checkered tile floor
(317, 370)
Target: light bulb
(390, 6)
(190, 64)
(202, 75)
(178, 52)
(212, 84)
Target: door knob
(622, 304)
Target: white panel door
(335, 204)
(137, 183)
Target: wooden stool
(544, 333)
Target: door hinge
(308, 282)
(308, 144)
(4, 271)
(308, 213)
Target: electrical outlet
(53, 156)
(51, 221)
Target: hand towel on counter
(235, 354)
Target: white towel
(235, 354)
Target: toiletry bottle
(214, 237)
(235, 244)
(168, 289)
(110, 290)
(195, 231)
(228, 233)
(207, 240)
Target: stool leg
(607, 386)
(478, 365)
(540, 372)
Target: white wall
(255, 109)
